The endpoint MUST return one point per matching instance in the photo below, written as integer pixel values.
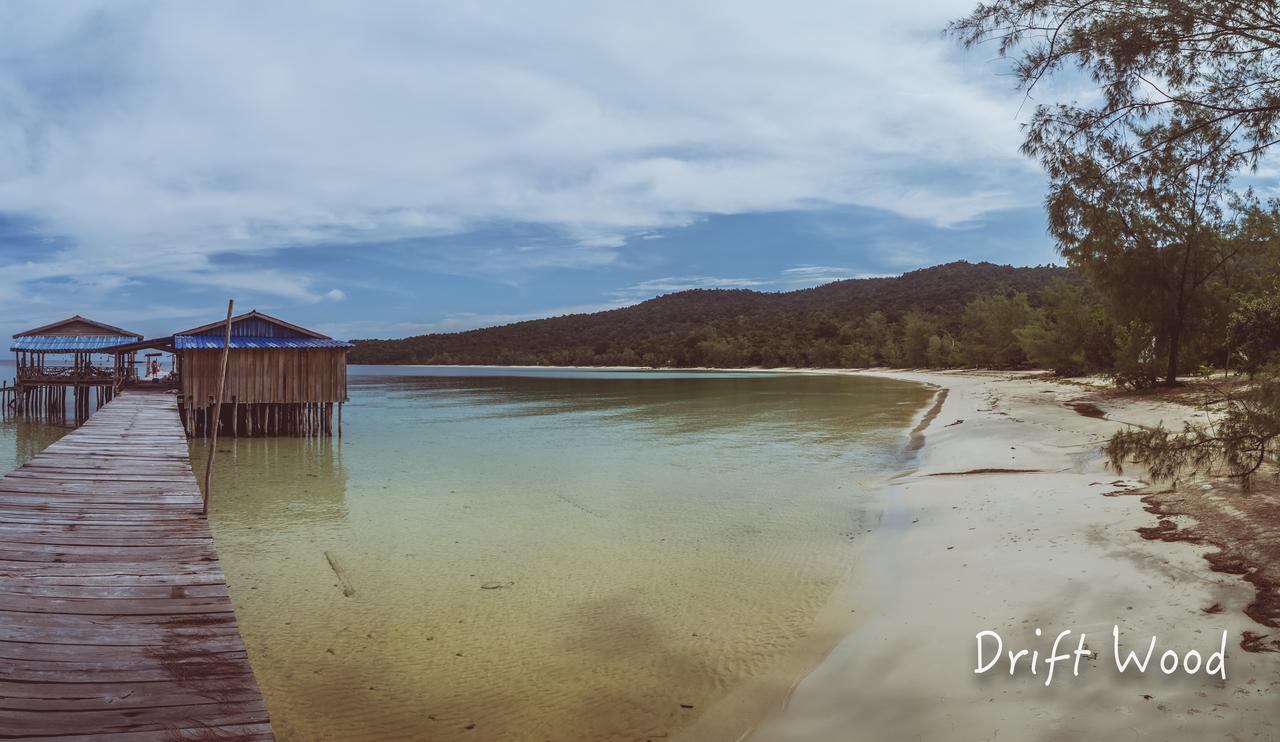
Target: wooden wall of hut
(268, 391)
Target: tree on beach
(1141, 199)
(1237, 443)
(918, 329)
(1254, 331)
(988, 327)
(1072, 335)
(1152, 231)
(1217, 59)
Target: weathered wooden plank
(129, 694)
(132, 592)
(38, 671)
(16, 603)
(15, 514)
(238, 732)
(21, 723)
(115, 620)
(141, 655)
(94, 538)
(125, 569)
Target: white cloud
(802, 276)
(810, 271)
(454, 322)
(335, 295)
(684, 283)
(796, 277)
(152, 137)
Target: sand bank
(1003, 526)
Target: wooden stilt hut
(282, 379)
(70, 356)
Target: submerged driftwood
(347, 588)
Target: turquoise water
(543, 554)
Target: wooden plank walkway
(115, 623)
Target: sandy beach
(1005, 525)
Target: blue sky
(386, 169)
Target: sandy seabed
(1003, 525)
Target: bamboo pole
(217, 415)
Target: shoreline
(1003, 523)
(1017, 535)
(662, 369)
(743, 709)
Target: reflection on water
(20, 439)
(814, 408)
(545, 555)
(277, 480)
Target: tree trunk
(1180, 316)
(1171, 373)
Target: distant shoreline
(879, 370)
(854, 322)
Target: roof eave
(111, 329)
(250, 314)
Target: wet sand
(1019, 535)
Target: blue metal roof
(65, 343)
(201, 342)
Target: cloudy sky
(385, 169)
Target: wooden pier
(115, 622)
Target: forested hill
(854, 322)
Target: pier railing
(66, 374)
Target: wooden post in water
(217, 414)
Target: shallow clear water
(546, 554)
(20, 438)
